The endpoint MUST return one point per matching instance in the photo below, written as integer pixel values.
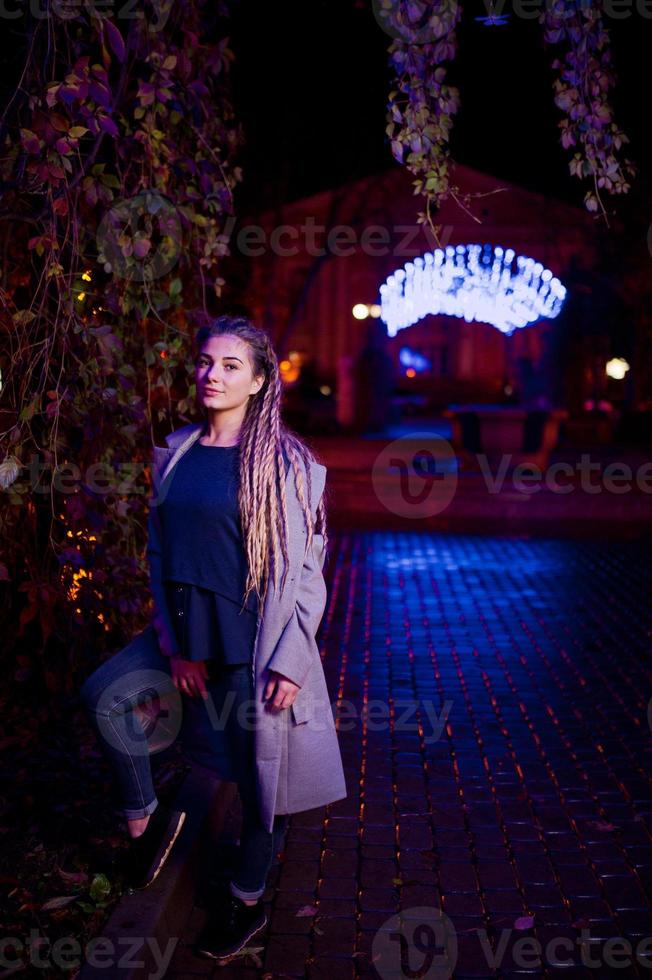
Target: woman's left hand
(280, 691)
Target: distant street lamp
(617, 368)
(362, 310)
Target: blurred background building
(315, 267)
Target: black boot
(230, 927)
(149, 851)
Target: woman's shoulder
(174, 439)
(317, 470)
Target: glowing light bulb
(617, 368)
(473, 282)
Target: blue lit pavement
(493, 707)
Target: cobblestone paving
(498, 776)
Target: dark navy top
(204, 566)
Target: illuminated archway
(487, 283)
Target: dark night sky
(311, 81)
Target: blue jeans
(136, 710)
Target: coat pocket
(301, 710)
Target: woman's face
(223, 373)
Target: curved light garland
(485, 283)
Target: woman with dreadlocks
(236, 547)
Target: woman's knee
(111, 697)
(137, 672)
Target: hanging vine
(582, 91)
(117, 174)
(421, 105)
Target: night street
(533, 800)
(325, 490)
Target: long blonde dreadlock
(263, 439)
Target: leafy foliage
(582, 92)
(422, 105)
(118, 175)
(64, 857)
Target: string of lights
(487, 283)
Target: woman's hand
(281, 690)
(189, 676)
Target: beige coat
(298, 760)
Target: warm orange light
(73, 591)
(410, 372)
(289, 371)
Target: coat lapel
(183, 447)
